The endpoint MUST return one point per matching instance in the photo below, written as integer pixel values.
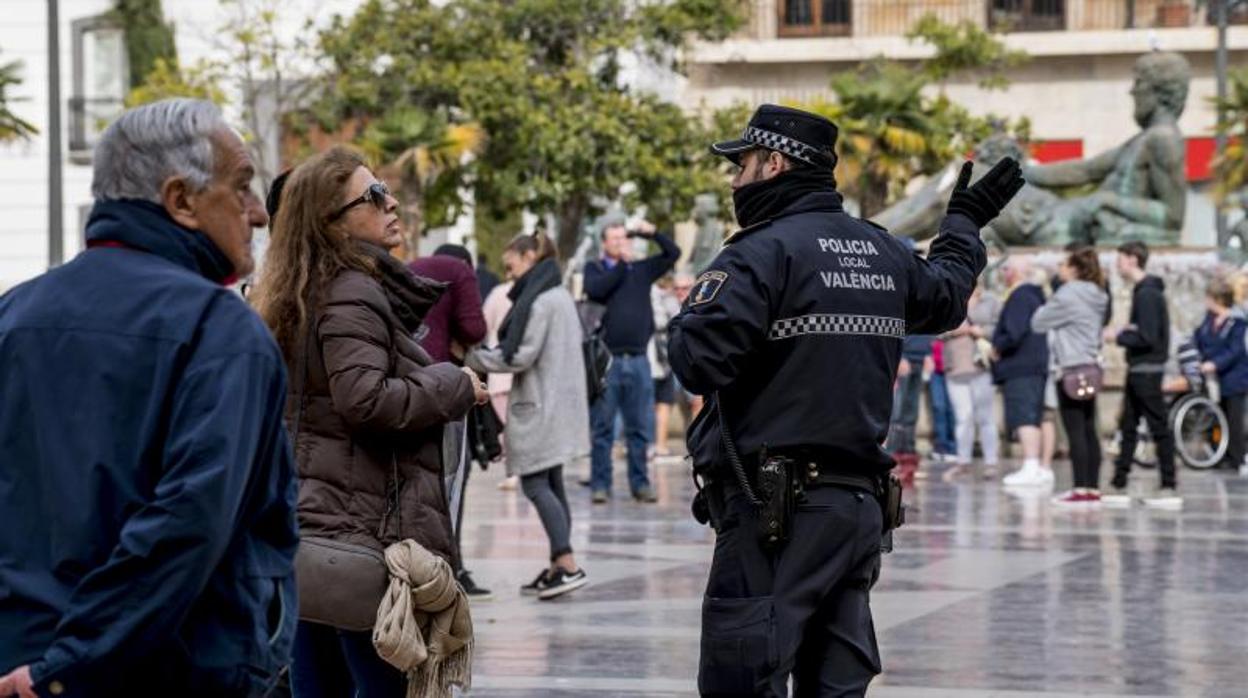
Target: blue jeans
(332, 663)
(630, 393)
(905, 412)
(944, 435)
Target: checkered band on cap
(870, 325)
(785, 145)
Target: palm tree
(426, 158)
(1232, 167)
(889, 131)
(12, 126)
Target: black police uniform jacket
(797, 326)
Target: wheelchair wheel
(1200, 432)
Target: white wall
(23, 166)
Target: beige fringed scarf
(423, 625)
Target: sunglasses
(376, 195)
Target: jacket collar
(410, 296)
(819, 201)
(143, 225)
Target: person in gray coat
(1074, 317)
(548, 412)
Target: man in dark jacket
(1022, 370)
(1147, 341)
(623, 285)
(795, 331)
(146, 479)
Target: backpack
(594, 348)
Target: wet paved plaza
(988, 594)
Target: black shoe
(474, 592)
(535, 587)
(562, 582)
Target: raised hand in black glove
(984, 201)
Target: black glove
(984, 201)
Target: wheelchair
(1196, 420)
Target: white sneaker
(1047, 478)
(1165, 498)
(1033, 476)
(1116, 497)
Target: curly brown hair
(305, 249)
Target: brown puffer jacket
(375, 404)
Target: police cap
(798, 134)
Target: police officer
(794, 332)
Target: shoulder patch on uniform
(707, 287)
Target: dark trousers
(630, 393)
(906, 411)
(1143, 399)
(1079, 420)
(545, 490)
(802, 610)
(332, 663)
(1233, 406)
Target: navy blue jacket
(1224, 346)
(146, 480)
(798, 326)
(916, 348)
(1021, 351)
(625, 290)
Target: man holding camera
(623, 286)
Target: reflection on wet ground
(990, 593)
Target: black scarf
(410, 296)
(541, 278)
(769, 198)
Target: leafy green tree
(149, 38)
(893, 129)
(1231, 169)
(167, 79)
(12, 126)
(565, 135)
(965, 47)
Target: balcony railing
(863, 18)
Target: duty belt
(811, 474)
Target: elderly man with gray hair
(145, 475)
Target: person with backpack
(540, 342)
(623, 286)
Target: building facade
(1074, 89)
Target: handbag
(1083, 382)
(594, 350)
(484, 430)
(340, 584)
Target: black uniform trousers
(1143, 398)
(802, 609)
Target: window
(815, 18)
(101, 82)
(1027, 15)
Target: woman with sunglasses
(366, 404)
